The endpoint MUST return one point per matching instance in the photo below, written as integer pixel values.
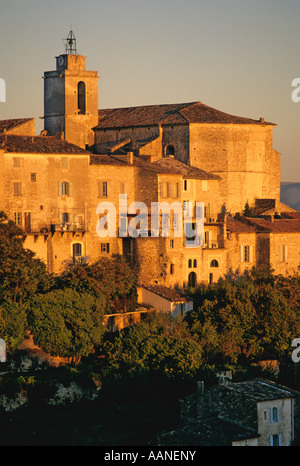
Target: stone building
(55, 185)
(253, 413)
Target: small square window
(105, 247)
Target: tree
(111, 277)
(21, 273)
(66, 323)
(248, 211)
(250, 315)
(13, 324)
(158, 345)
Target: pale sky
(234, 55)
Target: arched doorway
(192, 280)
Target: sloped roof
(281, 225)
(165, 165)
(260, 389)
(213, 431)
(235, 226)
(7, 125)
(166, 293)
(147, 115)
(38, 145)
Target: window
(169, 189)
(275, 440)
(214, 263)
(105, 247)
(246, 252)
(65, 217)
(195, 263)
(65, 188)
(18, 188)
(33, 177)
(190, 262)
(185, 185)
(102, 189)
(27, 221)
(81, 97)
(274, 414)
(172, 269)
(170, 150)
(282, 253)
(77, 250)
(188, 208)
(18, 218)
(265, 416)
(171, 243)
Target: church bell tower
(71, 97)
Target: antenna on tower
(70, 44)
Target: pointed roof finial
(70, 44)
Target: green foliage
(21, 273)
(248, 211)
(111, 278)
(13, 323)
(247, 316)
(158, 344)
(66, 323)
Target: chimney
(262, 120)
(130, 158)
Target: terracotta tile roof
(235, 226)
(121, 147)
(166, 165)
(147, 115)
(276, 226)
(38, 145)
(7, 125)
(167, 293)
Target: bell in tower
(70, 44)
(71, 97)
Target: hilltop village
(188, 153)
(58, 186)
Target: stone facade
(257, 413)
(52, 184)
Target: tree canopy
(66, 323)
(21, 273)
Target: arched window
(214, 263)
(195, 263)
(190, 263)
(170, 150)
(192, 280)
(81, 97)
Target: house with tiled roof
(256, 412)
(19, 126)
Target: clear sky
(235, 55)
